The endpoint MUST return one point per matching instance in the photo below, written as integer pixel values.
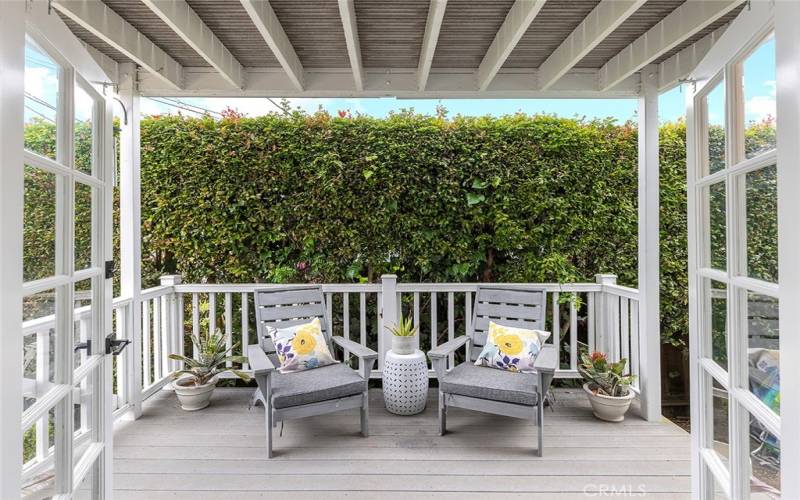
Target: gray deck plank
(219, 453)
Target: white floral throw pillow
(510, 348)
(301, 347)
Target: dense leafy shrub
(315, 199)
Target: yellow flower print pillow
(512, 349)
(301, 347)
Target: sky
(41, 84)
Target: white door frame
(18, 18)
(745, 32)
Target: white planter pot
(193, 397)
(403, 345)
(609, 408)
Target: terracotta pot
(194, 397)
(609, 408)
(403, 345)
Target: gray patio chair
(520, 395)
(311, 392)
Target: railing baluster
(468, 319)
(615, 330)
(434, 333)
(624, 318)
(121, 372)
(147, 377)
(212, 312)
(228, 324)
(195, 321)
(573, 334)
(166, 334)
(42, 378)
(178, 336)
(451, 322)
(346, 322)
(362, 320)
(591, 319)
(557, 328)
(634, 367)
(329, 312)
(245, 328)
(157, 368)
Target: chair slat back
(285, 307)
(522, 308)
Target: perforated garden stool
(405, 382)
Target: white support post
(388, 313)
(603, 315)
(130, 225)
(787, 39)
(649, 315)
(12, 66)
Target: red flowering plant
(605, 377)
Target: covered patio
(131, 439)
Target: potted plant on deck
(607, 387)
(195, 382)
(403, 336)
(405, 371)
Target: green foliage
(212, 356)
(404, 328)
(607, 378)
(320, 199)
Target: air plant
(212, 357)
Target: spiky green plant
(212, 355)
(404, 328)
(607, 378)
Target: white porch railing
(602, 315)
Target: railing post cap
(385, 277)
(171, 279)
(606, 279)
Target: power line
(40, 114)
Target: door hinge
(109, 269)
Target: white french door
(66, 296)
(734, 281)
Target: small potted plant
(195, 382)
(607, 387)
(403, 336)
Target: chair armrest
(258, 360)
(360, 351)
(449, 347)
(547, 360)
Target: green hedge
(313, 198)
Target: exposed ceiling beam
(109, 66)
(326, 82)
(680, 24)
(188, 25)
(600, 23)
(267, 23)
(672, 71)
(432, 26)
(348, 12)
(107, 25)
(519, 18)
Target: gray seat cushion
(312, 386)
(483, 382)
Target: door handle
(84, 345)
(115, 346)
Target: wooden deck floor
(219, 453)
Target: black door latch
(115, 346)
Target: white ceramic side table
(405, 382)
